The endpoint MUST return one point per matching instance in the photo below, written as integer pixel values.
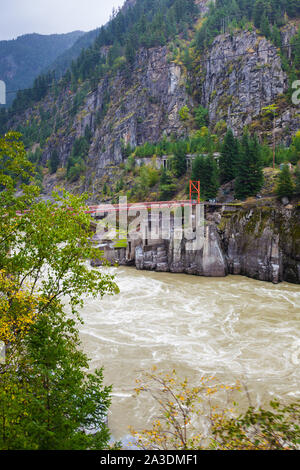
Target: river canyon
(234, 328)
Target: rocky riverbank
(260, 242)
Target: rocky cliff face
(144, 105)
(263, 243)
(242, 74)
(260, 243)
(203, 6)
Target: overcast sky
(19, 17)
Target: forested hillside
(170, 78)
(24, 58)
(64, 60)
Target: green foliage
(285, 186)
(126, 150)
(205, 170)
(148, 176)
(296, 50)
(35, 157)
(28, 97)
(3, 120)
(265, 14)
(184, 113)
(283, 154)
(106, 189)
(76, 163)
(221, 127)
(145, 24)
(229, 159)
(47, 399)
(48, 402)
(39, 177)
(167, 186)
(276, 428)
(295, 149)
(146, 150)
(191, 418)
(179, 163)
(201, 117)
(120, 185)
(265, 26)
(130, 164)
(249, 179)
(276, 36)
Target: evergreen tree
(249, 178)
(285, 186)
(167, 187)
(205, 170)
(57, 406)
(211, 179)
(130, 50)
(258, 12)
(276, 36)
(265, 26)
(229, 158)
(179, 159)
(296, 49)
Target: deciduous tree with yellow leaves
(47, 398)
(207, 417)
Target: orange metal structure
(194, 189)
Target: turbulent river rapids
(234, 328)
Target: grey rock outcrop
(263, 243)
(260, 243)
(243, 73)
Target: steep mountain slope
(24, 58)
(243, 74)
(151, 68)
(64, 60)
